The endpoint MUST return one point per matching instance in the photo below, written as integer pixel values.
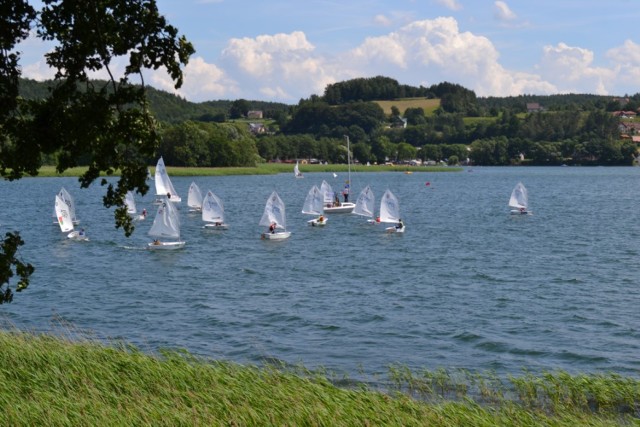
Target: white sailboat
(68, 199)
(194, 198)
(63, 215)
(365, 205)
(166, 225)
(213, 212)
(130, 203)
(313, 206)
(519, 200)
(164, 187)
(296, 171)
(274, 217)
(390, 212)
(337, 206)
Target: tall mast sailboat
(346, 206)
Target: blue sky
(283, 51)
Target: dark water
(466, 286)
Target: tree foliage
(107, 123)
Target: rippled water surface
(466, 286)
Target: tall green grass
(48, 380)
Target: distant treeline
(569, 128)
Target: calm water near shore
(467, 285)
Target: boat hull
(281, 235)
(211, 226)
(519, 212)
(165, 246)
(343, 208)
(395, 230)
(315, 223)
(76, 235)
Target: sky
(288, 50)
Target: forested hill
(171, 108)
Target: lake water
(467, 285)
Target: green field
(428, 105)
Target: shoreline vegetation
(67, 379)
(263, 169)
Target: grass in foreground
(47, 380)
(263, 169)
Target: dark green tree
(239, 109)
(107, 123)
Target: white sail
(313, 202)
(389, 208)
(212, 209)
(166, 223)
(274, 212)
(194, 199)
(68, 199)
(296, 171)
(365, 203)
(327, 193)
(63, 214)
(130, 202)
(164, 187)
(519, 198)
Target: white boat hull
(165, 246)
(212, 226)
(519, 212)
(343, 208)
(315, 223)
(76, 235)
(280, 235)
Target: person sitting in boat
(400, 224)
(156, 242)
(336, 200)
(272, 228)
(81, 232)
(144, 213)
(320, 219)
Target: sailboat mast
(349, 161)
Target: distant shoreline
(262, 169)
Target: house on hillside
(534, 107)
(254, 114)
(629, 128)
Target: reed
(74, 380)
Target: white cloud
(572, 70)
(502, 12)
(450, 4)
(382, 20)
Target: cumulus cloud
(450, 4)
(572, 68)
(502, 11)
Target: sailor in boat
(400, 224)
(272, 228)
(345, 194)
(523, 211)
(320, 219)
(156, 242)
(144, 213)
(81, 232)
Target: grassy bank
(47, 380)
(265, 169)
